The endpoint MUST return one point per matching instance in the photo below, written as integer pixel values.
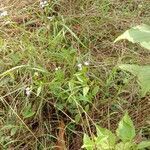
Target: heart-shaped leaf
(126, 130)
(144, 144)
(88, 143)
(142, 73)
(139, 34)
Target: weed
(58, 63)
(124, 138)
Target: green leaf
(83, 98)
(85, 91)
(95, 90)
(13, 131)
(126, 130)
(119, 146)
(146, 45)
(142, 73)
(106, 139)
(139, 34)
(125, 146)
(102, 143)
(77, 118)
(87, 108)
(80, 77)
(28, 112)
(39, 90)
(71, 85)
(88, 143)
(144, 144)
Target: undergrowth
(59, 71)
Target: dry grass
(32, 39)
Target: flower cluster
(80, 65)
(57, 68)
(43, 4)
(3, 13)
(50, 18)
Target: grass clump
(59, 75)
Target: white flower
(4, 13)
(28, 91)
(140, 5)
(50, 18)
(43, 4)
(36, 74)
(79, 66)
(86, 63)
(57, 68)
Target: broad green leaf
(144, 144)
(28, 112)
(102, 143)
(126, 130)
(106, 139)
(145, 45)
(85, 91)
(119, 146)
(83, 98)
(142, 73)
(88, 143)
(139, 34)
(125, 146)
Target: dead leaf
(60, 144)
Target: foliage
(142, 73)
(124, 139)
(139, 34)
(75, 93)
(56, 61)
